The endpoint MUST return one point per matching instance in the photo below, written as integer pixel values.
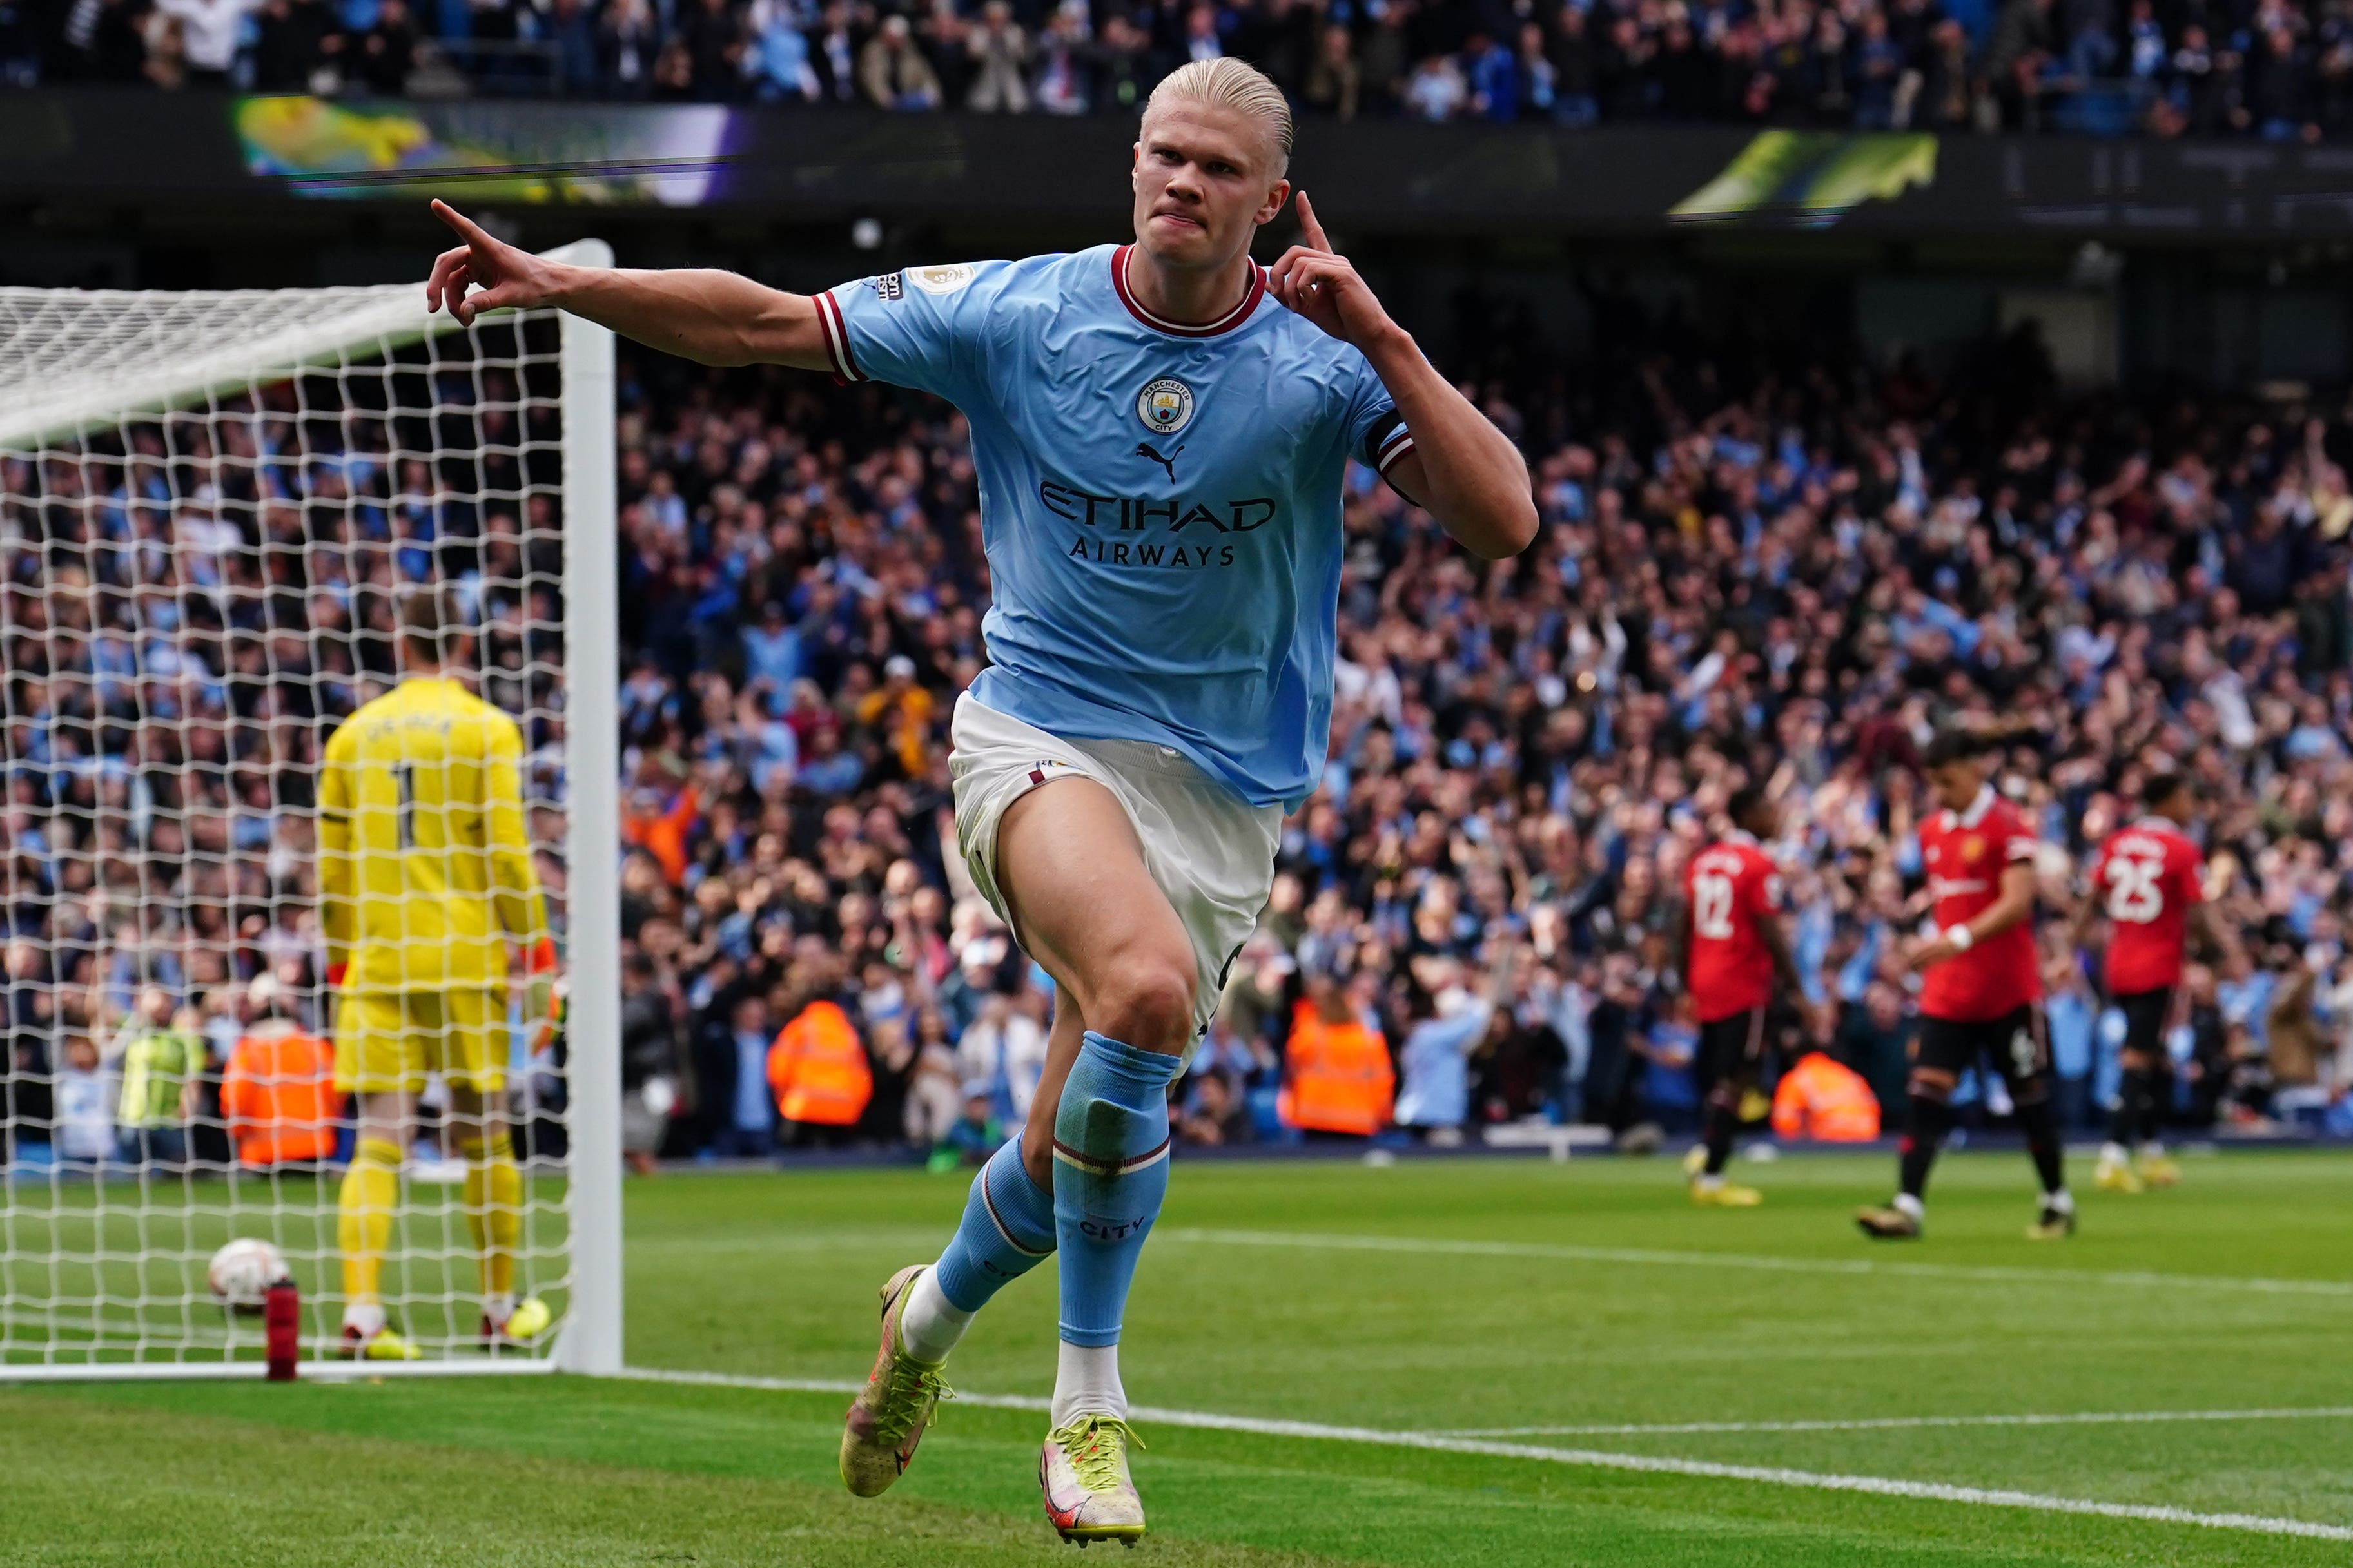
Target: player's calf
(2030, 1094)
(1902, 1217)
(2135, 1098)
(1007, 1230)
(1720, 1125)
(1111, 1174)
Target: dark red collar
(1225, 323)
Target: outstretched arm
(699, 314)
(1461, 467)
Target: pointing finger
(1308, 226)
(472, 232)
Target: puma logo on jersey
(1146, 449)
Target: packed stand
(2281, 69)
(1756, 565)
(1753, 567)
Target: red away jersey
(1729, 887)
(2145, 877)
(1964, 855)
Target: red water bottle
(282, 1324)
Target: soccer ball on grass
(243, 1271)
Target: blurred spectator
(1335, 81)
(1450, 1024)
(1818, 1099)
(650, 1090)
(278, 1095)
(296, 46)
(893, 73)
(629, 42)
(973, 1136)
(86, 1135)
(160, 1055)
(386, 53)
(712, 33)
(569, 30)
(1436, 89)
(208, 36)
(1065, 62)
(817, 1066)
(1000, 61)
(1340, 1078)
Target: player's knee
(1147, 1001)
(1933, 1087)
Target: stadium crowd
(2281, 70)
(1756, 565)
(1752, 568)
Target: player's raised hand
(1320, 284)
(485, 273)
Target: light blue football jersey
(1160, 503)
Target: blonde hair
(1232, 84)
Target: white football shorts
(1211, 853)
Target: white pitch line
(1589, 1458)
(1850, 1266)
(1900, 1423)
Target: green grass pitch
(1583, 1295)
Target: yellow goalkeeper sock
(371, 1192)
(494, 1209)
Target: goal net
(213, 508)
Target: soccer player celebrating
(1732, 947)
(1160, 431)
(1982, 996)
(2146, 880)
(425, 878)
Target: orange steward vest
(818, 1069)
(1341, 1079)
(1821, 1099)
(278, 1097)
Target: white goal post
(212, 507)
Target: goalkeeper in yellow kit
(425, 880)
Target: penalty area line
(1587, 1459)
(1321, 1241)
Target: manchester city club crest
(1165, 406)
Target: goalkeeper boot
(385, 1344)
(2115, 1175)
(1715, 1193)
(1083, 1470)
(2156, 1170)
(518, 1326)
(899, 1401)
(1888, 1224)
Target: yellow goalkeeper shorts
(388, 1040)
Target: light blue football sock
(1110, 1172)
(1008, 1229)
